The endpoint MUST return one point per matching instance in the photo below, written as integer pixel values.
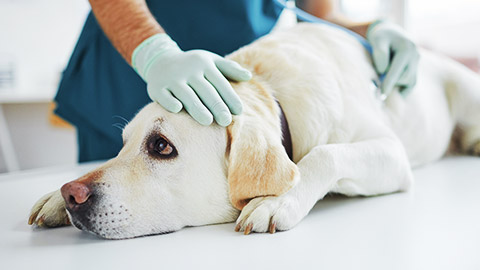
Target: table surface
(436, 225)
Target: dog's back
(323, 79)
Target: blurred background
(38, 37)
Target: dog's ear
(258, 164)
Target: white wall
(38, 36)
(3, 166)
(451, 27)
(35, 141)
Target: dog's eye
(163, 147)
(159, 147)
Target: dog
(172, 172)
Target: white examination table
(434, 226)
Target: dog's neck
(286, 137)
(256, 92)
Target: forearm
(359, 28)
(324, 9)
(126, 23)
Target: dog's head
(172, 173)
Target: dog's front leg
(370, 167)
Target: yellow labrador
(173, 172)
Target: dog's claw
(272, 228)
(40, 221)
(32, 218)
(248, 230)
(238, 227)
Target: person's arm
(126, 23)
(195, 80)
(394, 53)
(325, 9)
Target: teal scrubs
(99, 89)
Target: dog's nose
(75, 193)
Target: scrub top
(99, 90)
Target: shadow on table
(68, 235)
(334, 201)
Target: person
(132, 51)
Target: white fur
(344, 139)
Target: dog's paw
(269, 214)
(49, 211)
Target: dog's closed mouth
(101, 220)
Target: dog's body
(344, 139)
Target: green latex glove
(195, 80)
(394, 54)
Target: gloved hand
(394, 54)
(193, 79)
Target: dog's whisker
(119, 126)
(121, 118)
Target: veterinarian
(130, 52)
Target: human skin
(126, 23)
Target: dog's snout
(75, 193)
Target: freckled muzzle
(89, 211)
